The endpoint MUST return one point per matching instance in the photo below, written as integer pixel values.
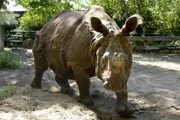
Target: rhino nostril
(115, 54)
(106, 85)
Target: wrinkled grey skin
(79, 45)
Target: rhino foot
(85, 101)
(125, 109)
(35, 85)
(68, 90)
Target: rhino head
(113, 53)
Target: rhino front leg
(123, 106)
(83, 82)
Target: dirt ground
(154, 90)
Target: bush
(6, 92)
(9, 60)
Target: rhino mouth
(108, 86)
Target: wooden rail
(16, 38)
(154, 38)
(158, 39)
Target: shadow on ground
(153, 90)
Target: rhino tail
(37, 44)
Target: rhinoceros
(82, 44)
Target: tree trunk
(125, 8)
(2, 37)
(1, 3)
(138, 6)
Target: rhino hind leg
(41, 66)
(63, 82)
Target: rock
(28, 43)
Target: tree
(6, 18)
(117, 9)
(40, 11)
(167, 16)
(159, 17)
(2, 6)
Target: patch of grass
(6, 92)
(9, 60)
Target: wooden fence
(145, 43)
(149, 43)
(16, 38)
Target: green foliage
(160, 16)
(9, 60)
(40, 11)
(6, 92)
(117, 9)
(167, 16)
(8, 18)
(3, 4)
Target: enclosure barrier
(149, 43)
(15, 38)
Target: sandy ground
(154, 90)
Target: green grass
(9, 60)
(6, 92)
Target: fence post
(23, 35)
(2, 33)
(144, 36)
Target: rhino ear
(98, 26)
(131, 23)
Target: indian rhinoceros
(79, 45)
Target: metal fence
(15, 38)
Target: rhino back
(65, 40)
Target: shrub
(9, 60)
(6, 92)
